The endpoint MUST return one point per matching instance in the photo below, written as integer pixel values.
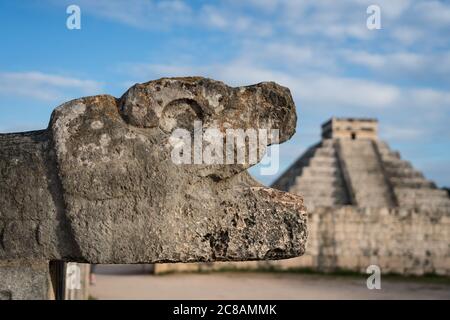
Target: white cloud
(350, 92)
(390, 133)
(215, 18)
(288, 55)
(312, 90)
(232, 21)
(364, 58)
(427, 98)
(407, 35)
(434, 12)
(402, 64)
(43, 86)
(405, 21)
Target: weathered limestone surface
(24, 280)
(401, 241)
(99, 186)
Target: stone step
(389, 154)
(385, 150)
(327, 143)
(411, 182)
(422, 200)
(364, 173)
(408, 172)
(319, 180)
(326, 152)
(322, 202)
(336, 193)
(396, 163)
(412, 192)
(361, 167)
(320, 171)
(357, 154)
(323, 161)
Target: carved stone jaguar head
(118, 196)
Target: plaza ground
(134, 282)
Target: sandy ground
(133, 282)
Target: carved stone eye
(180, 114)
(138, 109)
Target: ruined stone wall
(397, 240)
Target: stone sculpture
(99, 186)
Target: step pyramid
(351, 166)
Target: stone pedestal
(25, 280)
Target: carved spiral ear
(139, 109)
(180, 114)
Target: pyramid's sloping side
(411, 189)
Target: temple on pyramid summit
(351, 166)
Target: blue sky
(321, 50)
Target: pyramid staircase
(317, 177)
(364, 173)
(359, 172)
